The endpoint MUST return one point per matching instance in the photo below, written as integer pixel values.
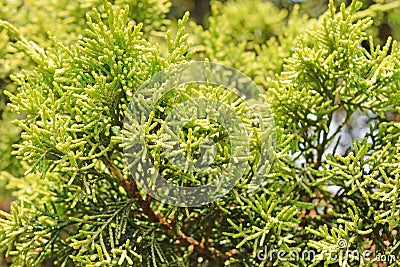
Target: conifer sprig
(334, 183)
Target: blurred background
(387, 22)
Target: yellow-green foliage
(39, 22)
(77, 205)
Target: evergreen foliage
(64, 21)
(76, 202)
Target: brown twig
(182, 239)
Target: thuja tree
(337, 77)
(43, 22)
(78, 205)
